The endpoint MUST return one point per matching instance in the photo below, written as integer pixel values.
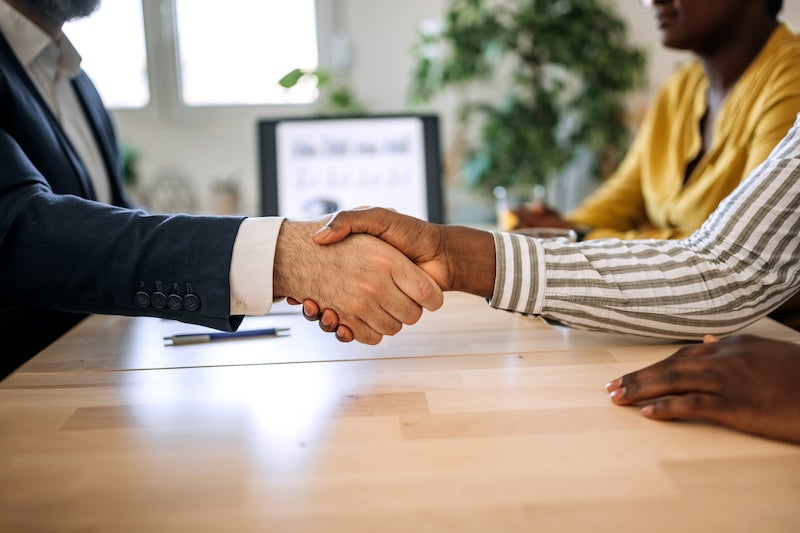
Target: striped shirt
(740, 265)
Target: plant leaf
(291, 79)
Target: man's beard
(60, 11)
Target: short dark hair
(774, 7)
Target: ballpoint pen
(191, 338)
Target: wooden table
(472, 420)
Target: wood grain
(503, 426)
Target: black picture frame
(269, 180)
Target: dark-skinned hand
(539, 216)
(747, 383)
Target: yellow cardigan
(648, 186)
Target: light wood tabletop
(471, 420)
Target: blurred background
(198, 76)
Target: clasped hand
(456, 258)
(365, 282)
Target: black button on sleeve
(141, 298)
(190, 302)
(158, 299)
(174, 300)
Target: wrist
(470, 257)
(286, 271)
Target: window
(111, 43)
(237, 53)
(228, 54)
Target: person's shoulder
(785, 36)
(782, 49)
(684, 82)
(776, 70)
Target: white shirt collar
(29, 41)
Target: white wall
(213, 144)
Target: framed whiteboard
(310, 166)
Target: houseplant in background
(130, 172)
(336, 97)
(564, 67)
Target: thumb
(344, 223)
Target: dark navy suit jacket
(64, 255)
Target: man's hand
(539, 216)
(744, 382)
(458, 258)
(420, 241)
(370, 286)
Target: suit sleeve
(67, 253)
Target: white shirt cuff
(251, 265)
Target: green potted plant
(565, 65)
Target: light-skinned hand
(372, 288)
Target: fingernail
(326, 321)
(647, 410)
(306, 311)
(614, 384)
(324, 230)
(617, 394)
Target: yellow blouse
(648, 187)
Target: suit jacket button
(174, 302)
(158, 299)
(191, 302)
(141, 298)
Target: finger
(368, 311)
(673, 381)
(704, 406)
(343, 334)
(292, 301)
(363, 333)
(374, 298)
(311, 310)
(329, 321)
(614, 384)
(381, 322)
(710, 338)
(418, 286)
(372, 220)
(665, 365)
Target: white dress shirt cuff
(251, 265)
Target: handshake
(367, 272)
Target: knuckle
(361, 308)
(672, 377)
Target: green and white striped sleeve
(741, 264)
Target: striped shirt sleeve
(740, 265)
